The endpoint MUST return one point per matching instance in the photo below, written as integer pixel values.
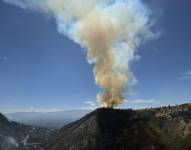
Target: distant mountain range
(166, 128)
(55, 119)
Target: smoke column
(110, 30)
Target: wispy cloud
(4, 58)
(19, 3)
(185, 76)
(144, 101)
(90, 105)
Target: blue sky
(41, 69)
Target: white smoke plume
(110, 30)
(8, 143)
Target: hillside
(167, 128)
(16, 136)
